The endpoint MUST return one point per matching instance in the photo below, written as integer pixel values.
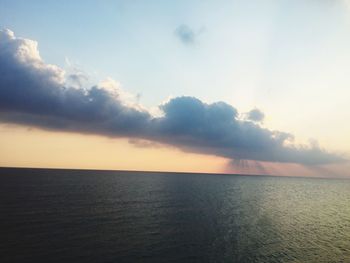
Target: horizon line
(169, 172)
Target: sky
(256, 87)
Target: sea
(49, 215)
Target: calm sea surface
(95, 216)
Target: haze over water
(100, 216)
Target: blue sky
(291, 59)
(124, 39)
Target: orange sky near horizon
(31, 147)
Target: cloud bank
(38, 94)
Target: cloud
(255, 115)
(34, 92)
(186, 34)
(37, 94)
(144, 143)
(215, 129)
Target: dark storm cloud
(37, 94)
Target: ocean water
(95, 216)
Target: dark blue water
(95, 216)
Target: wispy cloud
(187, 35)
(38, 94)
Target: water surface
(96, 216)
